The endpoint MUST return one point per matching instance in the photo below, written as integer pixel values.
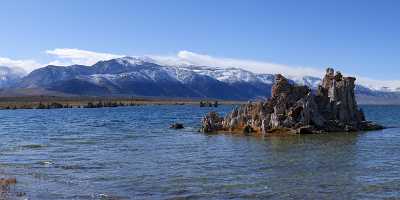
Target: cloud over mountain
(27, 65)
(191, 58)
(78, 56)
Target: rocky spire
(296, 110)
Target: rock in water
(296, 109)
(176, 126)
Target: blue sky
(357, 37)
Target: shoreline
(54, 102)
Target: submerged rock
(297, 109)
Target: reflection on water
(130, 153)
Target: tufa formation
(297, 109)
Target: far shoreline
(52, 102)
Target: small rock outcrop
(176, 126)
(297, 109)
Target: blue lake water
(130, 153)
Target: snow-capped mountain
(144, 77)
(10, 76)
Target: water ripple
(130, 153)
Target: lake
(130, 153)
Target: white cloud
(78, 56)
(59, 57)
(27, 65)
(187, 57)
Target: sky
(357, 37)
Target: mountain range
(143, 77)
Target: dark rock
(306, 130)
(247, 130)
(368, 126)
(41, 106)
(205, 104)
(295, 108)
(55, 105)
(208, 104)
(216, 104)
(177, 126)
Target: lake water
(130, 153)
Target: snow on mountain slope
(309, 81)
(181, 74)
(227, 75)
(266, 78)
(131, 60)
(9, 76)
(186, 73)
